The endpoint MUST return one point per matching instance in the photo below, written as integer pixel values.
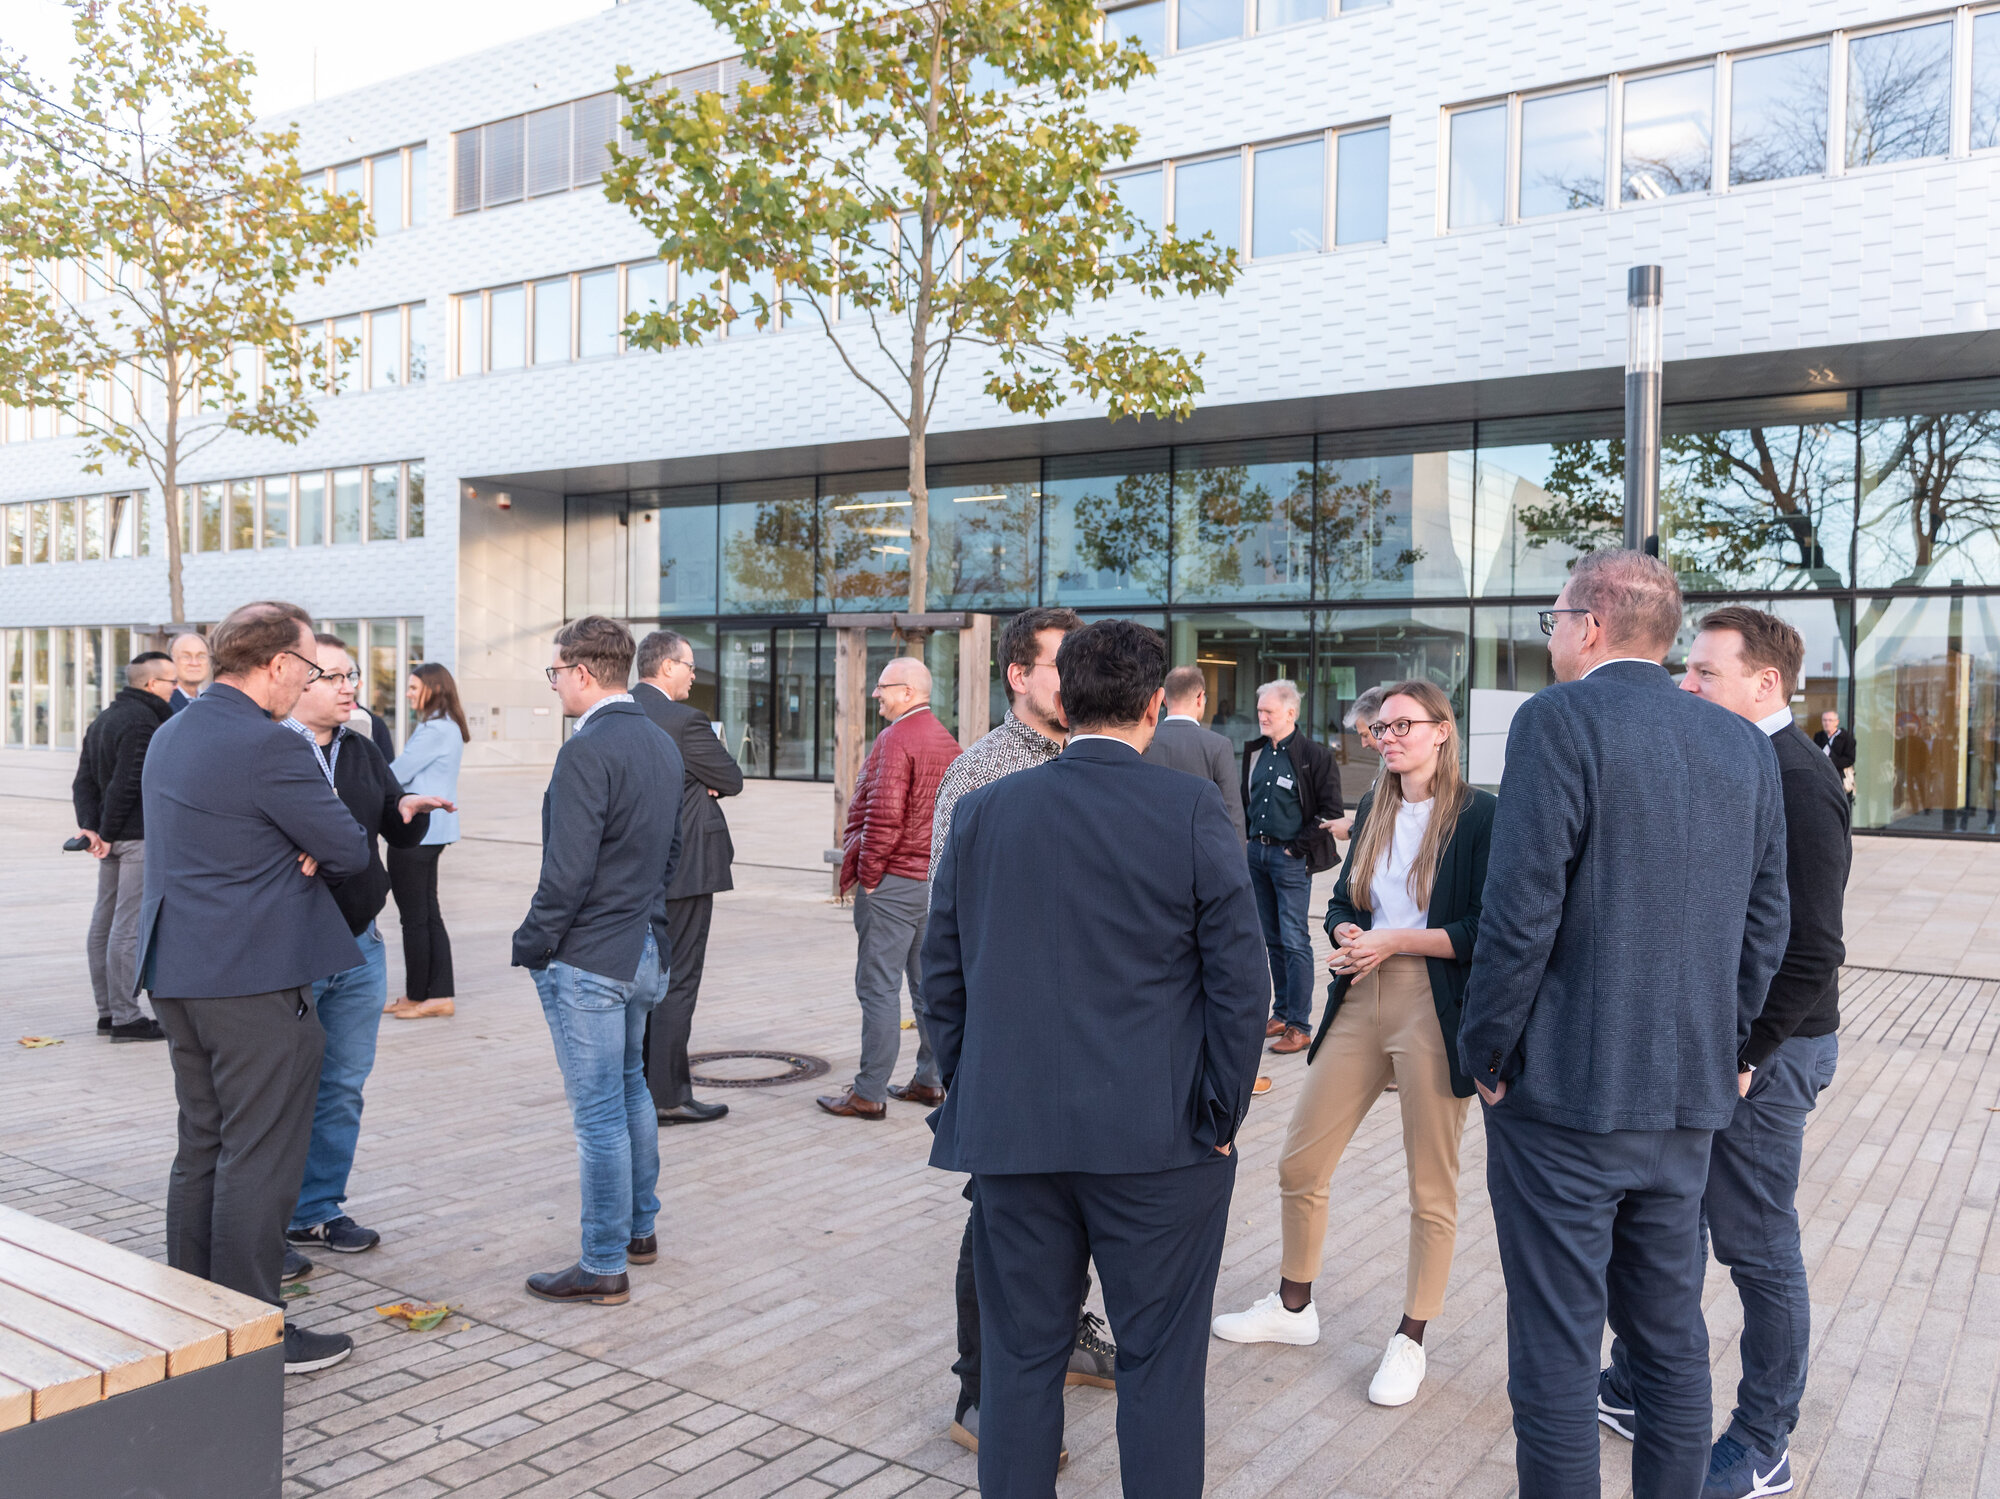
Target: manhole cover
(752, 1069)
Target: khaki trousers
(1386, 1031)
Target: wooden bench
(121, 1377)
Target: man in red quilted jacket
(886, 850)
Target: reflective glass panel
(242, 514)
(1394, 515)
(1669, 134)
(312, 509)
(864, 537)
(1242, 521)
(1288, 199)
(16, 517)
(746, 698)
(687, 520)
(645, 288)
(1545, 492)
(1199, 22)
(1208, 199)
(346, 353)
(346, 505)
(1822, 625)
(1930, 486)
(1562, 152)
(382, 502)
(416, 340)
(1273, 14)
(1899, 95)
(794, 702)
(386, 201)
(62, 519)
(597, 314)
(1357, 649)
(1144, 197)
(1145, 24)
(1777, 115)
(1105, 527)
(985, 525)
(413, 500)
(510, 328)
(278, 511)
(347, 181)
(551, 321)
(208, 520)
(385, 348)
(767, 547)
(121, 524)
(1986, 80)
(1361, 187)
(471, 334)
(419, 190)
(1927, 715)
(1478, 166)
(1510, 664)
(93, 528)
(1237, 654)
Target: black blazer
(106, 788)
(362, 781)
(1094, 973)
(611, 835)
(1188, 747)
(1454, 909)
(706, 847)
(1842, 753)
(1319, 796)
(232, 799)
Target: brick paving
(795, 1337)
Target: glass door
(746, 698)
(795, 660)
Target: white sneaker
(1269, 1322)
(1399, 1374)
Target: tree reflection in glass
(767, 547)
(1930, 488)
(1562, 152)
(1899, 95)
(1777, 116)
(1669, 145)
(1242, 521)
(1106, 531)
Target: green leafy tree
(915, 178)
(192, 229)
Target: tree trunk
(170, 460)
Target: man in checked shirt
(1032, 733)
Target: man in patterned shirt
(1032, 733)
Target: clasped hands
(1357, 953)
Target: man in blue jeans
(596, 941)
(1291, 788)
(350, 1003)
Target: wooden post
(975, 699)
(850, 726)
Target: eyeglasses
(687, 664)
(1398, 727)
(313, 672)
(1548, 618)
(550, 671)
(352, 676)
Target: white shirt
(1389, 891)
(1772, 723)
(1182, 717)
(1079, 738)
(616, 697)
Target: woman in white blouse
(1403, 919)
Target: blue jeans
(1283, 887)
(1748, 1208)
(350, 1011)
(599, 1028)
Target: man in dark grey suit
(1635, 912)
(1181, 743)
(597, 943)
(1093, 970)
(234, 930)
(666, 676)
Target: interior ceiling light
(875, 505)
(975, 499)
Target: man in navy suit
(1635, 912)
(1095, 974)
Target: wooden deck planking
(189, 1342)
(126, 1362)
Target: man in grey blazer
(234, 929)
(666, 676)
(1181, 743)
(1635, 912)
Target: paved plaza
(795, 1336)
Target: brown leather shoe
(1273, 1027)
(1262, 1085)
(578, 1284)
(847, 1106)
(930, 1098)
(643, 1251)
(1293, 1040)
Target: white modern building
(1410, 424)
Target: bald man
(190, 656)
(886, 861)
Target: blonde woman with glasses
(1403, 919)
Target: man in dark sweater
(350, 1003)
(1748, 662)
(109, 814)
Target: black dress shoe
(578, 1284)
(694, 1111)
(643, 1251)
(103, 1025)
(145, 1028)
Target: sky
(314, 48)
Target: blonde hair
(1449, 795)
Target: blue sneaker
(1614, 1409)
(1736, 1471)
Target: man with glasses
(191, 665)
(350, 1002)
(234, 934)
(666, 677)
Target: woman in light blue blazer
(428, 766)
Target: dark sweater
(108, 770)
(1805, 996)
(365, 787)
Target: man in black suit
(233, 933)
(1094, 974)
(191, 668)
(1182, 743)
(597, 942)
(1838, 746)
(1635, 911)
(666, 676)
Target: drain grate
(750, 1069)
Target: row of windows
(555, 319)
(322, 507)
(91, 529)
(1164, 26)
(376, 350)
(531, 155)
(393, 186)
(1850, 100)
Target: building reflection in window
(1394, 516)
(1549, 490)
(1927, 715)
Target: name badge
(1286, 782)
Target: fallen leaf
(909, 1025)
(34, 1041)
(293, 1292)
(416, 1316)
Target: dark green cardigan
(1454, 909)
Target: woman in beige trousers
(1403, 919)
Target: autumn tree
(916, 180)
(155, 238)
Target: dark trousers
(668, 1026)
(413, 876)
(1157, 1240)
(1283, 887)
(1749, 1209)
(967, 1366)
(1594, 1227)
(246, 1073)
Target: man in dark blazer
(191, 668)
(1634, 913)
(233, 933)
(597, 942)
(666, 676)
(1838, 746)
(1182, 743)
(1094, 972)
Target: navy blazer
(611, 836)
(232, 797)
(1635, 906)
(1094, 973)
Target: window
(208, 502)
(1243, 521)
(413, 502)
(1547, 491)
(1393, 515)
(551, 150)
(552, 321)
(985, 535)
(1777, 115)
(1288, 199)
(385, 196)
(242, 515)
(500, 162)
(1930, 471)
(349, 181)
(465, 188)
(63, 518)
(414, 333)
(93, 528)
(122, 516)
(1361, 187)
(686, 518)
(384, 500)
(346, 506)
(646, 288)
(416, 158)
(1478, 167)
(471, 313)
(1986, 80)
(1145, 24)
(597, 314)
(1899, 95)
(548, 151)
(312, 510)
(278, 511)
(344, 356)
(17, 534)
(766, 532)
(1669, 145)
(1144, 196)
(1200, 22)
(509, 333)
(390, 187)
(1104, 519)
(1208, 199)
(1562, 152)
(385, 348)
(1274, 14)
